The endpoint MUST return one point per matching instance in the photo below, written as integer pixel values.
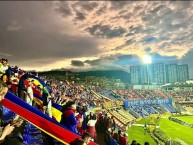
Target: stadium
(94, 74)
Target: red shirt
(26, 82)
(123, 140)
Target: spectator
(79, 118)
(47, 103)
(3, 66)
(146, 143)
(106, 122)
(107, 136)
(22, 89)
(91, 127)
(14, 85)
(29, 95)
(8, 129)
(78, 142)
(134, 142)
(113, 141)
(92, 116)
(124, 140)
(86, 137)
(68, 117)
(111, 123)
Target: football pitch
(137, 133)
(187, 119)
(173, 130)
(177, 131)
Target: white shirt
(3, 68)
(30, 92)
(91, 122)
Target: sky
(91, 35)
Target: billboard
(128, 103)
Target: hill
(116, 74)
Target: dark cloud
(136, 29)
(157, 58)
(127, 60)
(129, 34)
(80, 16)
(77, 63)
(101, 10)
(118, 4)
(87, 6)
(94, 62)
(149, 40)
(41, 33)
(101, 61)
(40, 36)
(63, 8)
(187, 59)
(148, 50)
(130, 41)
(105, 31)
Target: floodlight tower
(147, 60)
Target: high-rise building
(183, 74)
(171, 73)
(159, 73)
(135, 77)
(143, 74)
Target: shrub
(162, 136)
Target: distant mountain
(116, 74)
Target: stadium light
(147, 59)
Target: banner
(147, 102)
(40, 120)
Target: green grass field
(137, 133)
(173, 130)
(187, 119)
(177, 131)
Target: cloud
(149, 40)
(118, 4)
(94, 62)
(5, 54)
(80, 16)
(187, 59)
(77, 63)
(14, 26)
(87, 6)
(105, 31)
(63, 8)
(41, 34)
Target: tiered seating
(189, 109)
(160, 109)
(120, 117)
(32, 135)
(182, 95)
(146, 94)
(160, 93)
(109, 94)
(126, 114)
(140, 111)
(150, 110)
(135, 114)
(170, 108)
(116, 121)
(129, 94)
